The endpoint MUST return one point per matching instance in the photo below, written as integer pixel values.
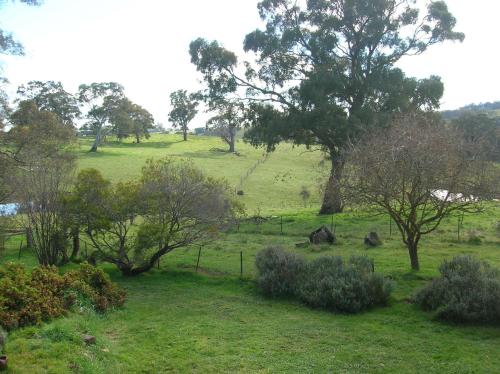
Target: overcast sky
(143, 44)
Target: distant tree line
(482, 107)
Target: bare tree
(41, 186)
(419, 172)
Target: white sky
(143, 44)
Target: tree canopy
(51, 96)
(325, 72)
(99, 99)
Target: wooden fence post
(241, 264)
(198, 262)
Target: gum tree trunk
(232, 137)
(97, 141)
(332, 199)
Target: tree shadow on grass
(214, 154)
(160, 145)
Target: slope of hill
(491, 108)
(270, 184)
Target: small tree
(183, 110)
(41, 186)
(419, 172)
(175, 205)
(305, 195)
(229, 119)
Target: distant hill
(492, 108)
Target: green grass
(274, 186)
(176, 320)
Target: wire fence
(221, 258)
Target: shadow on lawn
(146, 144)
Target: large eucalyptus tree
(325, 71)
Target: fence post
(241, 264)
(331, 224)
(281, 224)
(459, 225)
(390, 226)
(20, 247)
(198, 262)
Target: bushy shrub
(326, 282)
(94, 284)
(278, 271)
(30, 298)
(468, 290)
(344, 287)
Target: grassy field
(177, 320)
(273, 186)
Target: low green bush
(344, 287)
(278, 271)
(326, 282)
(30, 298)
(468, 290)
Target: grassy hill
(273, 186)
(214, 320)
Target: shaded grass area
(178, 321)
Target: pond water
(8, 209)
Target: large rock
(372, 240)
(322, 235)
(89, 339)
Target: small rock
(89, 339)
(372, 240)
(322, 235)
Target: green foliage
(326, 71)
(95, 285)
(132, 225)
(348, 288)
(468, 290)
(31, 298)
(52, 96)
(480, 129)
(183, 110)
(327, 282)
(279, 272)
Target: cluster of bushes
(327, 282)
(30, 298)
(468, 290)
